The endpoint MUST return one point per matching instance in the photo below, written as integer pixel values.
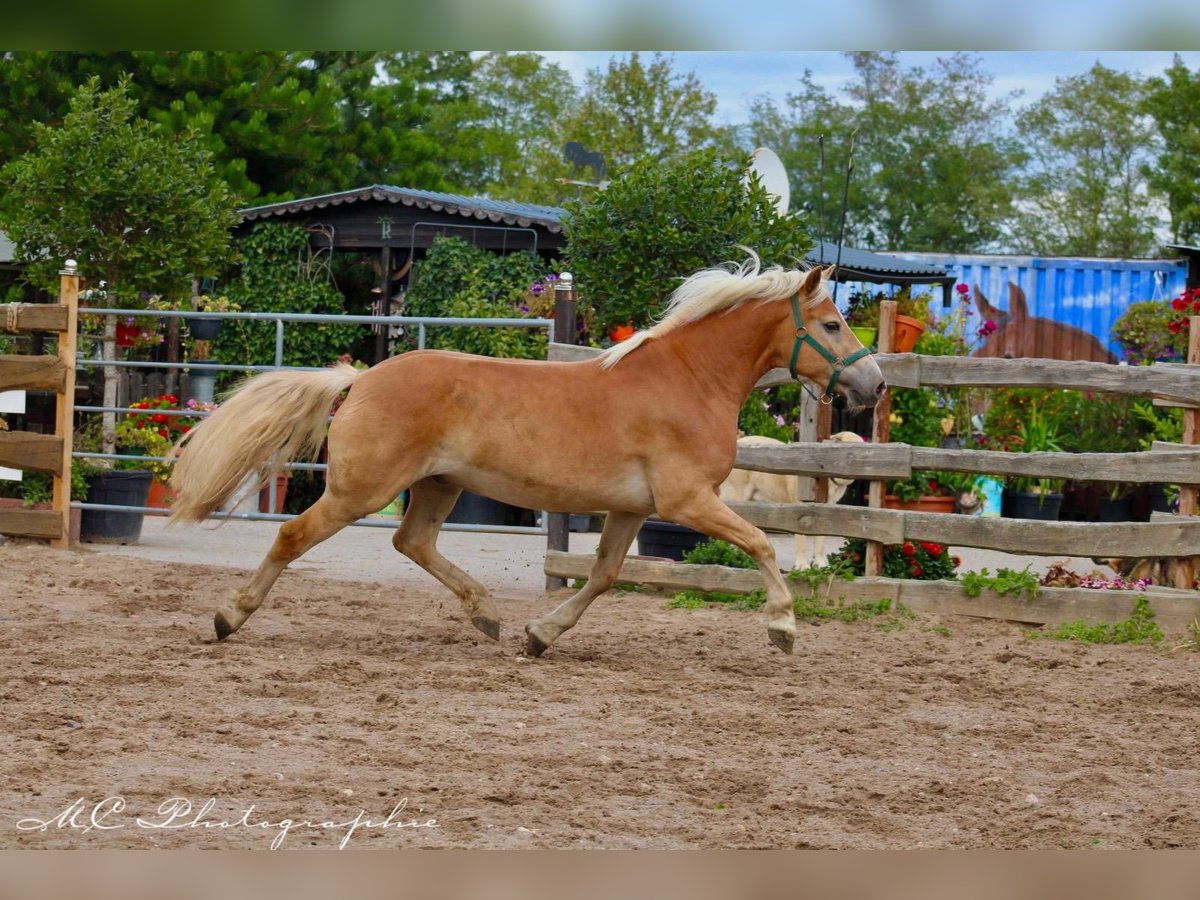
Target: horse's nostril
(880, 388)
(1008, 356)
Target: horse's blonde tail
(268, 420)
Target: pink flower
(962, 288)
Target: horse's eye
(833, 327)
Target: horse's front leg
(705, 512)
(619, 531)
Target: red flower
(933, 485)
(163, 432)
(956, 560)
(159, 418)
(908, 549)
(916, 570)
(1175, 326)
(933, 549)
(961, 287)
(1179, 303)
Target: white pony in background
(768, 487)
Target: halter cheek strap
(836, 362)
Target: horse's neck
(726, 353)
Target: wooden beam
(1174, 610)
(887, 461)
(32, 373)
(33, 452)
(42, 523)
(33, 317)
(65, 402)
(1181, 466)
(885, 526)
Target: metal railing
(281, 320)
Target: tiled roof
(501, 211)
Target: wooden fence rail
(1173, 536)
(39, 452)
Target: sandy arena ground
(644, 727)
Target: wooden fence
(43, 452)
(1166, 535)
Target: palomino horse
(648, 427)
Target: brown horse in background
(1021, 335)
(650, 426)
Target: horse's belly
(628, 492)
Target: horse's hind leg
(619, 531)
(322, 520)
(430, 502)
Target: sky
(737, 77)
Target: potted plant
(1153, 331)
(862, 315)
(941, 492)
(1027, 497)
(205, 329)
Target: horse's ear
(1016, 302)
(984, 305)
(812, 281)
(829, 272)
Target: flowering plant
(934, 484)
(538, 302)
(922, 560)
(163, 415)
(1153, 331)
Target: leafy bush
(771, 412)
(458, 279)
(916, 417)
(274, 277)
(921, 560)
(659, 222)
(719, 553)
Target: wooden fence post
(1185, 573)
(558, 525)
(881, 425)
(68, 296)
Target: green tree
(1174, 103)
(934, 167)
(136, 207)
(505, 139)
(659, 223)
(635, 111)
(1085, 192)
(278, 123)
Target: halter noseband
(836, 362)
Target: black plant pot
(204, 329)
(474, 509)
(667, 539)
(1119, 510)
(115, 488)
(1028, 505)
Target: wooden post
(1185, 573)
(385, 302)
(68, 296)
(879, 433)
(558, 525)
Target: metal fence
(282, 320)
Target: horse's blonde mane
(719, 289)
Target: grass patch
(808, 609)
(1005, 581)
(1139, 628)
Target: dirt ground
(377, 704)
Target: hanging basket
(906, 334)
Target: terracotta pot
(161, 496)
(908, 330)
(620, 333)
(264, 496)
(928, 503)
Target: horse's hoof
(224, 629)
(490, 627)
(781, 639)
(534, 645)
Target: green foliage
(1100, 423)
(1143, 333)
(916, 417)
(1011, 408)
(1005, 581)
(1173, 103)
(810, 608)
(719, 553)
(1159, 423)
(921, 560)
(639, 113)
(771, 412)
(135, 206)
(1084, 192)
(933, 164)
(278, 123)
(1139, 628)
(660, 223)
(458, 279)
(275, 276)
(933, 484)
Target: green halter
(836, 362)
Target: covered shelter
(881, 268)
